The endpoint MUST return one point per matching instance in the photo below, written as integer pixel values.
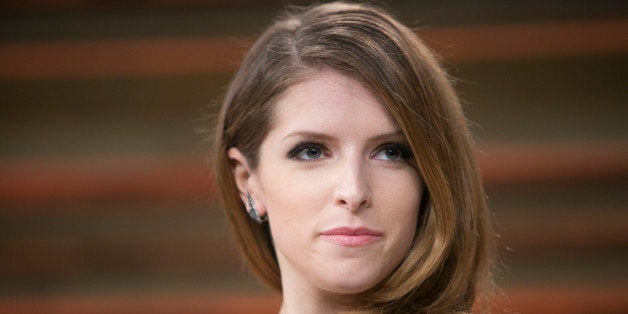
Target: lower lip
(351, 240)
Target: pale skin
(334, 159)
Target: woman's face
(336, 179)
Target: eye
(393, 152)
(307, 151)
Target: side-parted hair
(448, 266)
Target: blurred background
(106, 199)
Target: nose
(352, 191)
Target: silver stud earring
(253, 212)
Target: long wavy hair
(448, 266)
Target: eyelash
(301, 147)
(404, 150)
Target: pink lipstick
(353, 237)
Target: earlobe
(253, 212)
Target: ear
(245, 180)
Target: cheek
(400, 196)
(292, 199)
(294, 207)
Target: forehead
(329, 101)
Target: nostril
(352, 191)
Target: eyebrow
(388, 136)
(311, 135)
(317, 136)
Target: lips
(352, 237)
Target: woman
(346, 168)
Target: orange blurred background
(106, 199)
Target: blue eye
(392, 152)
(307, 151)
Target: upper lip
(352, 231)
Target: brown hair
(449, 263)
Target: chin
(351, 282)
